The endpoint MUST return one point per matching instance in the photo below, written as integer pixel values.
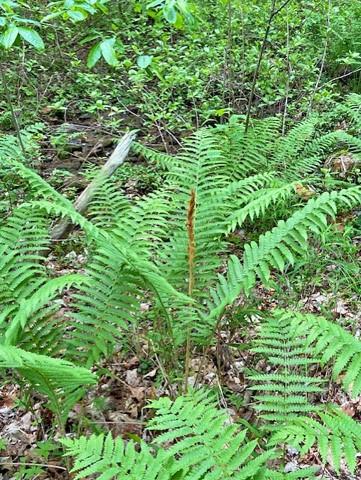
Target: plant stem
(274, 12)
(191, 256)
(12, 111)
(328, 25)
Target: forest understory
(180, 233)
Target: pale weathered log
(117, 158)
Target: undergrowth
(171, 248)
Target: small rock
(132, 378)
(291, 467)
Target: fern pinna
(197, 441)
(293, 344)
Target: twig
(44, 465)
(339, 77)
(289, 72)
(274, 12)
(12, 111)
(323, 60)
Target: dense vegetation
(195, 312)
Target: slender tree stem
(274, 11)
(289, 72)
(323, 60)
(12, 111)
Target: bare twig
(12, 111)
(44, 465)
(323, 59)
(274, 12)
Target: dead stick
(117, 158)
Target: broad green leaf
(94, 55)
(9, 36)
(51, 16)
(156, 3)
(143, 61)
(170, 13)
(32, 37)
(108, 51)
(77, 15)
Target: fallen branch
(62, 229)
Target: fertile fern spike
(336, 435)
(203, 439)
(283, 394)
(335, 345)
(209, 228)
(62, 382)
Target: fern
(335, 345)
(278, 247)
(336, 435)
(206, 446)
(289, 343)
(284, 395)
(61, 381)
(109, 459)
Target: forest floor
(119, 402)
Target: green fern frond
(163, 160)
(283, 396)
(278, 247)
(29, 306)
(248, 153)
(289, 148)
(203, 438)
(108, 205)
(110, 458)
(307, 473)
(61, 381)
(335, 345)
(200, 441)
(259, 203)
(336, 435)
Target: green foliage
(283, 395)
(61, 381)
(206, 446)
(290, 343)
(169, 248)
(335, 345)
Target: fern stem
(191, 256)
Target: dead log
(62, 229)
